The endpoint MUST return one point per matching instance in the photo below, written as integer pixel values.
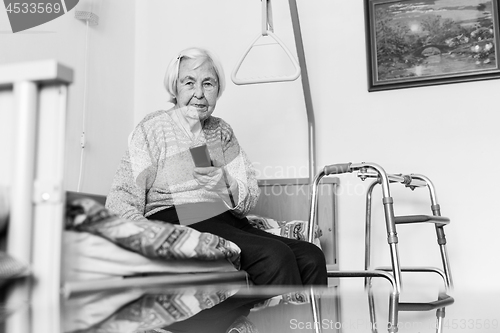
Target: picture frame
(414, 43)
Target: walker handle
(336, 169)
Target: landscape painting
(423, 42)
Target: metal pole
(48, 214)
(368, 226)
(305, 87)
(20, 229)
(313, 206)
(21, 207)
(316, 312)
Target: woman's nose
(198, 91)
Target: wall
(444, 132)
(110, 83)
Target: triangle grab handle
(254, 80)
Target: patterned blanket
(153, 239)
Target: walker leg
(368, 227)
(371, 307)
(316, 311)
(392, 326)
(392, 239)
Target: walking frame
(392, 273)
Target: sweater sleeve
(135, 176)
(240, 168)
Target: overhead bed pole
(305, 87)
(300, 67)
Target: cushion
(295, 229)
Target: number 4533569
(25, 8)
(475, 324)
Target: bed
(282, 209)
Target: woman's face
(197, 88)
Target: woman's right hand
(210, 178)
(217, 180)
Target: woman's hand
(216, 179)
(210, 178)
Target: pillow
(89, 257)
(295, 229)
(152, 239)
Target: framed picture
(413, 43)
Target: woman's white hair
(202, 55)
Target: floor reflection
(185, 310)
(342, 308)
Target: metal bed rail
(39, 90)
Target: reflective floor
(343, 307)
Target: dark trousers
(267, 258)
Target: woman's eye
(208, 85)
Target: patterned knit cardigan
(157, 169)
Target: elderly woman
(158, 180)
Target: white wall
(445, 132)
(111, 92)
(110, 83)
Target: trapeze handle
(253, 80)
